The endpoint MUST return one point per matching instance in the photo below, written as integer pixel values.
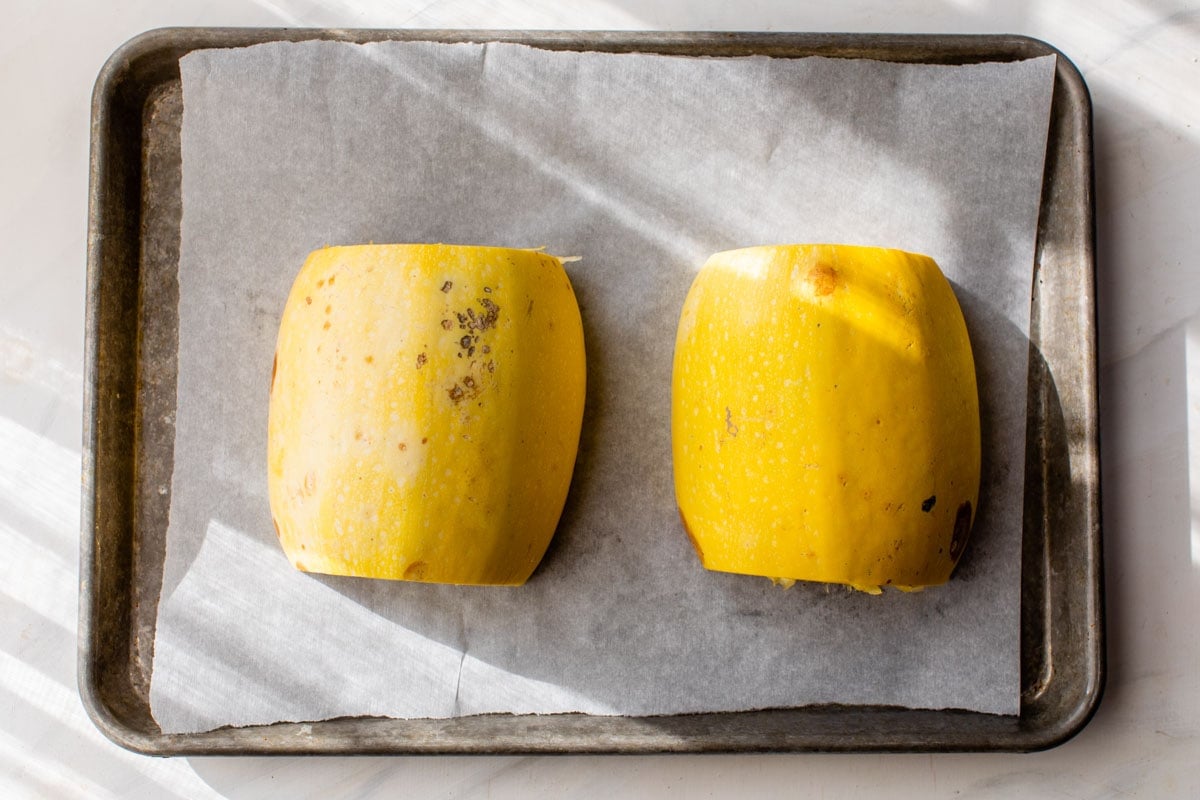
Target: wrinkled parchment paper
(643, 165)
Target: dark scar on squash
(927, 503)
(962, 527)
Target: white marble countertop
(1139, 58)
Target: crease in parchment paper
(643, 165)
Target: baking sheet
(644, 197)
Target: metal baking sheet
(133, 249)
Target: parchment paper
(643, 165)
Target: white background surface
(1139, 58)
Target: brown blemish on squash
(358, 435)
(447, 286)
(308, 300)
(403, 447)
(447, 324)
(470, 321)
(823, 279)
(415, 571)
(274, 367)
(468, 390)
(331, 279)
(962, 527)
(300, 566)
(421, 359)
(320, 283)
(424, 439)
(275, 523)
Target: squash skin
(825, 417)
(426, 405)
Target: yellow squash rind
(825, 417)
(426, 403)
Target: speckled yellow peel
(825, 417)
(426, 403)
